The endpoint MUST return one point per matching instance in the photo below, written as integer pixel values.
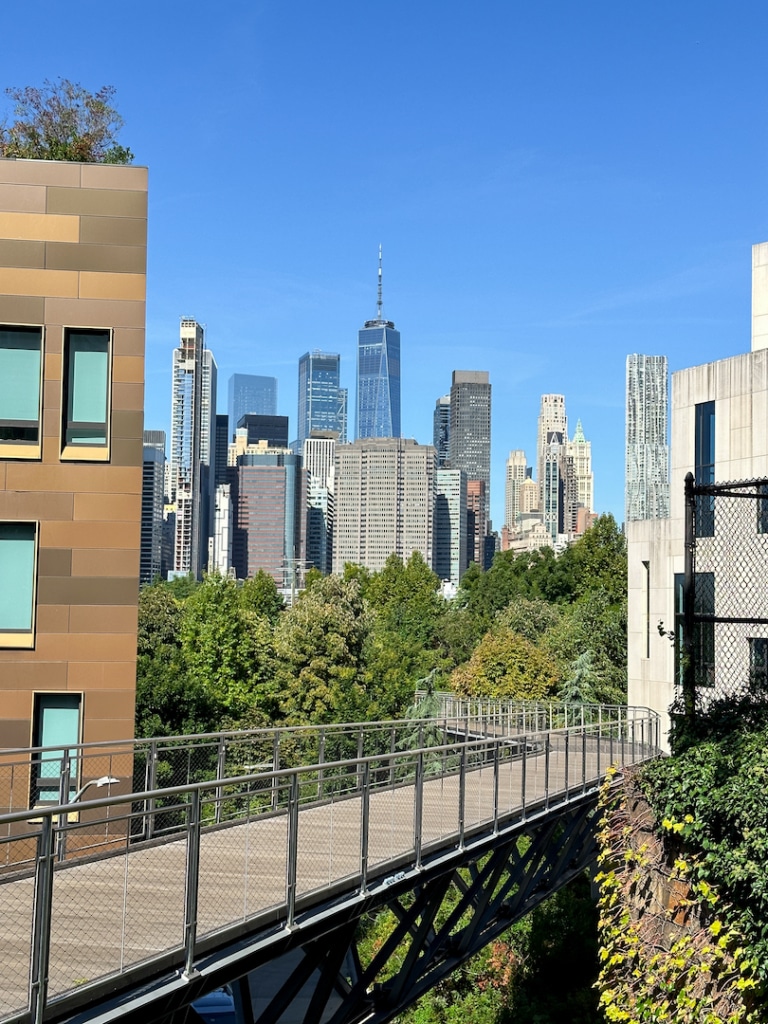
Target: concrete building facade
(517, 473)
(719, 433)
(72, 319)
(384, 495)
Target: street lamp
(61, 842)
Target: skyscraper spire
(379, 301)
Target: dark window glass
(758, 664)
(704, 471)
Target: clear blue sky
(555, 185)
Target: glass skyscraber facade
(322, 403)
(378, 376)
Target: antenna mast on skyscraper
(379, 301)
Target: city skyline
(554, 188)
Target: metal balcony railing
(94, 890)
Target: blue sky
(554, 184)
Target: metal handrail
(441, 795)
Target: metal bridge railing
(87, 895)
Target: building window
(56, 726)
(704, 471)
(21, 365)
(758, 664)
(703, 632)
(18, 564)
(86, 381)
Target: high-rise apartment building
(249, 392)
(517, 473)
(470, 434)
(378, 376)
(72, 318)
(269, 515)
(319, 462)
(450, 530)
(552, 420)
(222, 446)
(384, 492)
(152, 494)
(322, 403)
(272, 429)
(441, 431)
(192, 449)
(579, 450)
(647, 451)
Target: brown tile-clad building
(72, 314)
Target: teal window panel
(87, 379)
(56, 725)
(17, 576)
(20, 373)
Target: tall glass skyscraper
(322, 403)
(250, 393)
(378, 376)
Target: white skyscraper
(647, 450)
(450, 528)
(580, 450)
(193, 419)
(516, 475)
(552, 420)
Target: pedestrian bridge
(249, 859)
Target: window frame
(28, 449)
(39, 697)
(98, 452)
(24, 639)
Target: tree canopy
(64, 121)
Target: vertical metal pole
(41, 924)
(64, 781)
(365, 816)
(583, 759)
(275, 768)
(496, 787)
(546, 772)
(462, 794)
(192, 883)
(392, 748)
(599, 747)
(524, 773)
(359, 756)
(418, 808)
(688, 666)
(293, 850)
(321, 762)
(567, 757)
(221, 759)
(149, 827)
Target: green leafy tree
(260, 595)
(598, 560)
(530, 617)
(227, 649)
(506, 665)
(64, 121)
(319, 645)
(579, 686)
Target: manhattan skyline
(554, 188)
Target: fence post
(275, 768)
(688, 665)
(418, 807)
(365, 815)
(293, 850)
(192, 883)
(149, 805)
(221, 759)
(64, 781)
(496, 786)
(567, 756)
(360, 747)
(41, 925)
(524, 773)
(546, 771)
(321, 762)
(462, 794)
(583, 759)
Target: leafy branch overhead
(64, 121)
